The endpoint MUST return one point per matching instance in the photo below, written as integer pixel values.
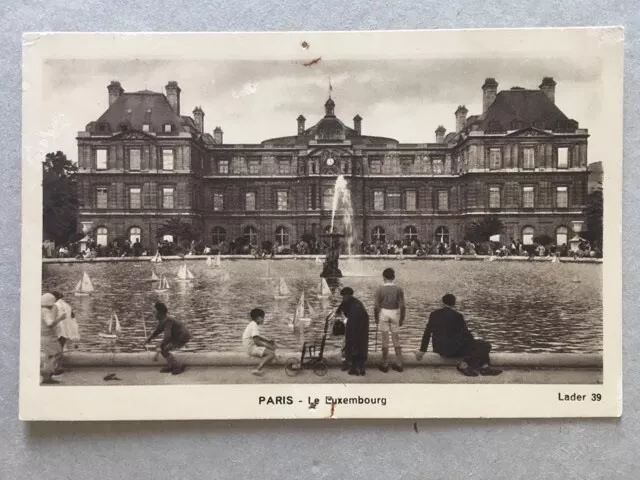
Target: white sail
(182, 272)
(284, 288)
(312, 311)
(110, 324)
(87, 286)
(209, 261)
(325, 291)
(268, 269)
(318, 260)
(154, 277)
(165, 284)
(118, 327)
(190, 275)
(78, 286)
(300, 307)
(218, 260)
(157, 258)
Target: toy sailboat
(164, 285)
(218, 263)
(300, 317)
(184, 274)
(84, 286)
(575, 279)
(555, 259)
(209, 261)
(111, 331)
(318, 260)
(154, 277)
(491, 258)
(282, 291)
(325, 291)
(157, 258)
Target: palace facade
(143, 162)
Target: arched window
(135, 234)
(378, 235)
(282, 236)
(327, 199)
(562, 236)
(527, 235)
(442, 235)
(102, 236)
(250, 234)
(218, 235)
(410, 233)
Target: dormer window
(167, 128)
(145, 127)
(124, 127)
(103, 127)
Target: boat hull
(108, 335)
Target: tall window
(135, 199)
(101, 159)
(218, 235)
(327, 199)
(438, 166)
(223, 167)
(134, 159)
(282, 236)
(375, 165)
(378, 200)
(254, 167)
(527, 235)
(393, 201)
(410, 203)
(135, 234)
(562, 197)
(562, 236)
(283, 200)
(495, 159)
(167, 159)
(563, 157)
(102, 236)
(529, 158)
(250, 201)
(102, 197)
(527, 197)
(167, 128)
(218, 201)
(378, 235)
(250, 234)
(284, 167)
(145, 127)
(167, 238)
(406, 165)
(410, 233)
(442, 235)
(494, 197)
(167, 197)
(443, 200)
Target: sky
(256, 100)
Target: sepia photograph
(299, 225)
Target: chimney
(357, 124)
(301, 121)
(217, 135)
(440, 131)
(115, 90)
(173, 95)
(198, 117)
(548, 87)
(461, 118)
(489, 92)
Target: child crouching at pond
(176, 335)
(255, 344)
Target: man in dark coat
(452, 338)
(356, 331)
(175, 336)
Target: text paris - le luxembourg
(328, 400)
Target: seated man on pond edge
(452, 339)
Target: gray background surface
(496, 449)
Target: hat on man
(47, 300)
(346, 291)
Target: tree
(483, 229)
(593, 212)
(183, 232)
(59, 198)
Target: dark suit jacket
(449, 331)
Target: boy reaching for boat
(176, 335)
(255, 344)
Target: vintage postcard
(322, 225)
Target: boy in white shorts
(389, 311)
(256, 345)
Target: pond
(517, 306)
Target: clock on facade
(330, 161)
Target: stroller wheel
(292, 367)
(320, 368)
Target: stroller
(311, 357)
